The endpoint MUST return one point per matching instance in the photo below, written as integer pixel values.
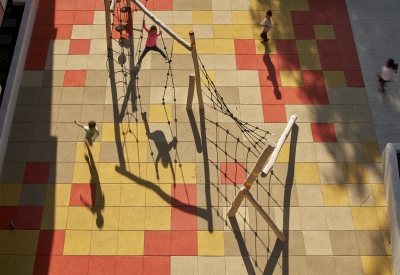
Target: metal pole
(189, 101)
(196, 70)
(108, 23)
(252, 177)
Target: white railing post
(196, 70)
(189, 101)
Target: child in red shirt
(151, 42)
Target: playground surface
(152, 194)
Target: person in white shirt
(266, 26)
(386, 73)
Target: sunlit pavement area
(152, 194)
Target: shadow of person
(272, 74)
(95, 206)
(163, 147)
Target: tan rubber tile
(310, 195)
(321, 265)
(366, 132)
(214, 265)
(355, 173)
(360, 195)
(308, 220)
(326, 152)
(182, 17)
(339, 247)
(362, 113)
(317, 243)
(348, 265)
(351, 152)
(371, 243)
(342, 113)
(339, 218)
(53, 79)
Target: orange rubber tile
(320, 17)
(323, 132)
(83, 195)
(347, 46)
(165, 5)
(51, 242)
(316, 95)
(39, 47)
(289, 62)
(157, 243)
(79, 46)
(83, 18)
(304, 31)
(183, 195)
(51, 31)
(246, 62)
(354, 79)
(28, 217)
(270, 78)
(350, 62)
(102, 265)
(69, 5)
(326, 46)
(245, 46)
(331, 62)
(156, 265)
(184, 243)
(74, 78)
(87, 5)
(267, 62)
(50, 265)
(286, 46)
(74, 264)
(35, 62)
(36, 172)
(232, 172)
(8, 213)
(129, 265)
(313, 78)
(187, 214)
(274, 113)
(100, 5)
(272, 95)
(301, 18)
(295, 95)
(57, 17)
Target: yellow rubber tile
(299, 5)
(24, 242)
(310, 62)
(202, 17)
(81, 173)
(9, 194)
(182, 31)
(80, 218)
(373, 265)
(378, 190)
(104, 243)
(57, 195)
(132, 172)
(130, 243)
(365, 218)
(223, 31)
(108, 132)
(335, 195)
(355, 172)
(291, 78)
(334, 79)
(132, 218)
(185, 173)
(133, 132)
(371, 152)
(82, 151)
(283, 155)
(160, 113)
(133, 194)
(279, 17)
(135, 151)
(205, 46)
(106, 218)
(224, 46)
(77, 242)
(306, 173)
(158, 218)
(282, 32)
(383, 220)
(158, 195)
(5, 241)
(111, 195)
(242, 18)
(3, 263)
(54, 218)
(20, 264)
(243, 32)
(276, 5)
(179, 49)
(211, 75)
(307, 46)
(258, 5)
(210, 243)
(164, 174)
(324, 32)
(107, 173)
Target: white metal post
(189, 101)
(196, 70)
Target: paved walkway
(152, 194)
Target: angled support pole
(196, 70)
(107, 13)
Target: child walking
(91, 132)
(151, 42)
(266, 26)
(386, 73)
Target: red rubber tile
(99, 5)
(183, 195)
(347, 46)
(165, 5)
(66, 5)
(245, 46)
(184, 243)
(36, 172)
(350, 62)
(75, 265)
(157, 243)
(321, 17)
(295, 95)
(28, 217)
(326, 46)
(323, 132)
(267, 62)
(148, 4)
(39, 46)
(7, 213)
(51, 242)
(272, 95)
(331, 62)
(313, 78)
(246, 62)
(343, 32)
(318, 5)
(354, 79)
(102, 265)
(87, 5)
(304, 31)
(49, 264)
(286, 46)
(75, 78)
(301, 17)
(340, 18)
(35, 62)
(83, 18)
(156, 265)
(184, 218)
(289, 62)
(337, 5)
(79, 46)
(83, 194)
(57, 17)
(270, 78)
(232, 172)
(129, 265)
(274, 113)
(62, 32)
(316, 95)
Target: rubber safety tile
(323, 132)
